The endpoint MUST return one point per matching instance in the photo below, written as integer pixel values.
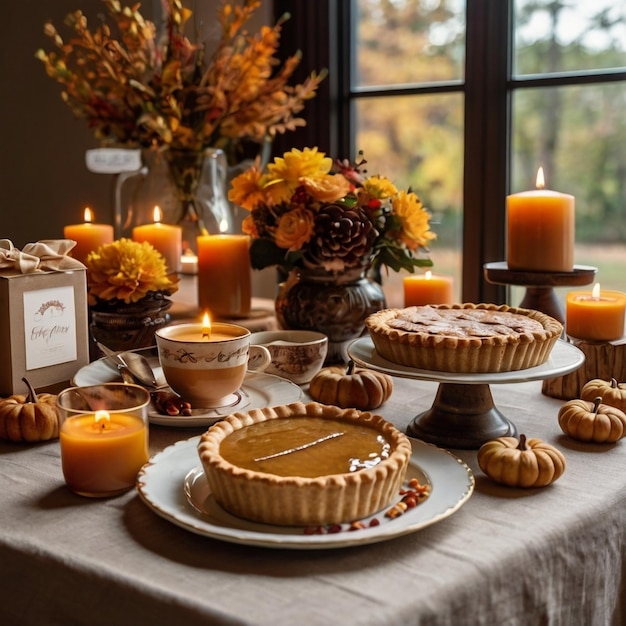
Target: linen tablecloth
(547, 556)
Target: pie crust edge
(298, 501)
(464, 354)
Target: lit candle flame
(102, 419)
(157, 215)
(428, 275)
(88, 215)
(223, 226)
(206, 326)
(541, 181)
(595, 292)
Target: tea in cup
(207, 366)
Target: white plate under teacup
(173, 485)
(259, 390)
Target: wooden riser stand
(604, 360)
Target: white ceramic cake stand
(463, 414)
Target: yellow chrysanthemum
(287, 172)
(127, 270)
(295, 228)
(415, 220)
(379, 187)
(247, 189)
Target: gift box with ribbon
(44, 334)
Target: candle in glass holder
(88, 236)
(165, 238)
(224, 275)
(540, 230)
(596, 315)
(427, 289)
(103, 437)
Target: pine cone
(343, 238)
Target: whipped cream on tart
(464, 338)
(304, 464)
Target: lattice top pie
(304, 464)
(467, 338)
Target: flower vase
(128, 326)
(188, 186)
(333, 304)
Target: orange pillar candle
(102, 453)
(427, 289)
(224, 275)
(165, 238)
(540, 230)
(596, 315)
(88, 236)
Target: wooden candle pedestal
(604, 360)
(540, 294)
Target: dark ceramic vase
(333, 304)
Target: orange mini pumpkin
(521, 463)
(29, 418)
(611, 392)
(351, 387)
(592, 421)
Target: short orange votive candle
(427, 289)
(165, 238)
(88, 236)
(595, 315)
(103, 437)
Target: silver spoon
(140, 368)
(132, 365)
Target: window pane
(569, 36)
(417, 142)
(408, 41)
(578, 134)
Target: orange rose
(328, 188)
(295, 228)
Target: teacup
(296, 354)
(207, 368)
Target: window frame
(487, 130)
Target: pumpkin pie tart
(304, 464)
(464, 338)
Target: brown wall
(44, 183)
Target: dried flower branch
(137, 86)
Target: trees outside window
(463, 101)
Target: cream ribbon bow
(47, 255)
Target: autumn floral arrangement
(127, 272)
(307, 211)
(141, 86)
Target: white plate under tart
(173, 485)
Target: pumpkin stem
(596, 403)
(350, 367)
(613, 383)
(522, 442)
(32, 394)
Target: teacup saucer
(232, 402)
(259, 390)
